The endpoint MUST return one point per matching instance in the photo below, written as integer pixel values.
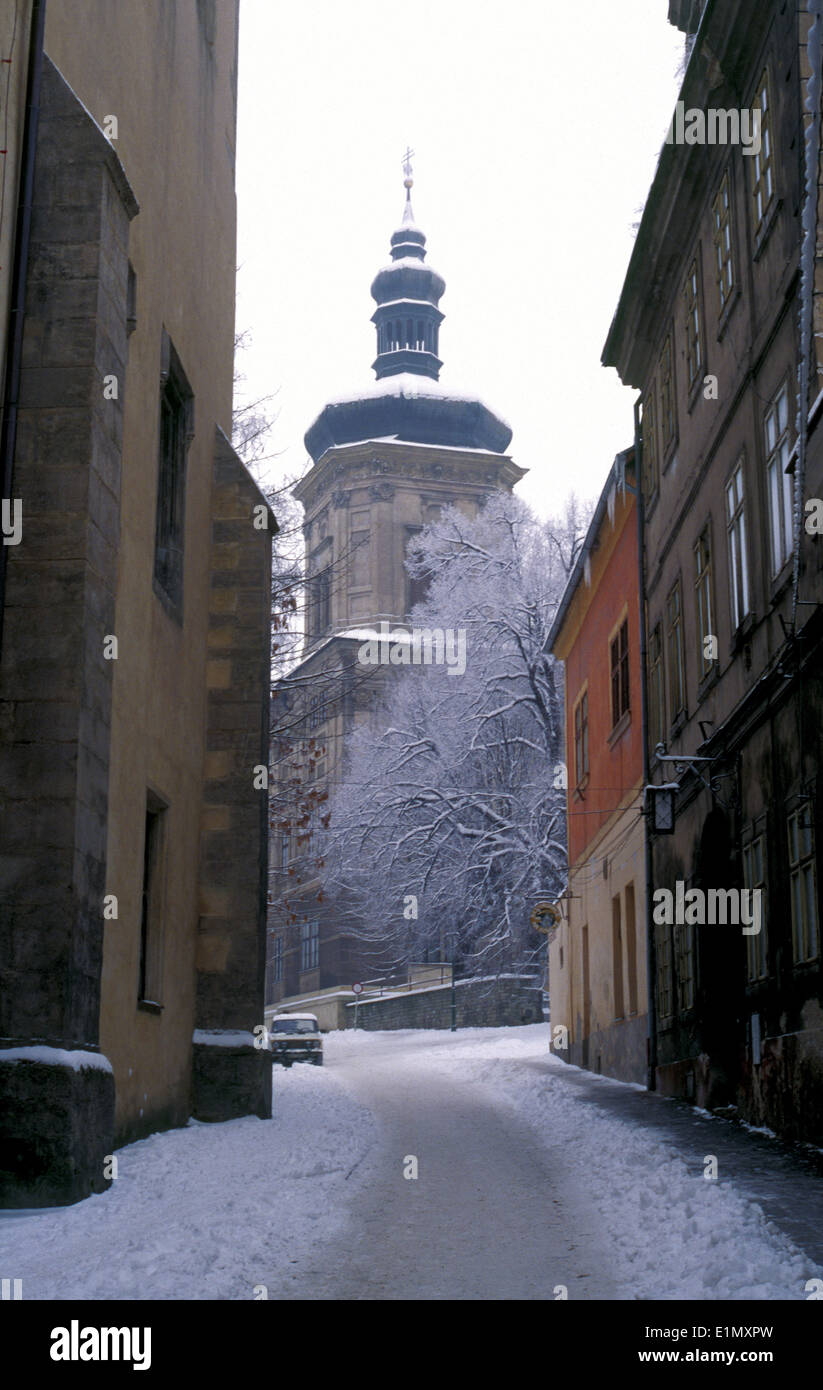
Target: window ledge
(172, 609)
(695, 388)
(620, 728)
(148, 1006)
(678, 723)
(723, 323)
(766, 229)
(741, 634)
(708, 682)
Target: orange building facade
(597, 961)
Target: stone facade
(133, 714)
(710, 330)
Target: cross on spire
(407, 170)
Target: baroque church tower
(385, 462)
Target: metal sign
(357, 989)
(548, 913)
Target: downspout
(651, 954)
(22, 237)
(807, 281)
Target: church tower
(385, 462)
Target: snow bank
(208, 1211)
(56, 1057)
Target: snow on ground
(208, 1211)
(669, 1232)
(211, 1211)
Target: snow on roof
(411, 386)
(290, 1015)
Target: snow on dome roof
(411, 408)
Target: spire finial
(408, 181)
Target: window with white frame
(724, 258)
(805, 930)
(763, 161)
(694, 327)
(703, 600)
(779, 483)
(738, 555)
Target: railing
(422, 976)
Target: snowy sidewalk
(785, 1180)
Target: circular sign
(545, 912)
(357, 989)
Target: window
(803, 885)
(322, 601)
(617, 957)
(619, 649)
(703, 600)
(685, 965)
(738, 558)
(778, 480)
(309, 945)
(694, 339)
(657, 687)
(277, 960)
(285, 849)
(360, 569)
(650, 468)
(763, 161)
(317, 711)
(631, 948)
(664, 973)
(754, 879)
(149, 982)
(723, 250)
(176, 432)
(668, 421)
(674, 642)
(581, 738)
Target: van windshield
(294, 1025)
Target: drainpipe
(22, 236)
(807, 278)
(651, 954)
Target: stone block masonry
(500, 1001)
(57, 1120)
(231, 948)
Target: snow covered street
(526, 1186)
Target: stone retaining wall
(497, 1002)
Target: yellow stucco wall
(168, 79)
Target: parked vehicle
(295, 1038)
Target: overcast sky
(536, 126)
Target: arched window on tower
(418, 343)
(398, 333)
(409, 333)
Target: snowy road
(491, 1214)
(531, 1178)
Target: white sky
(536, 126)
